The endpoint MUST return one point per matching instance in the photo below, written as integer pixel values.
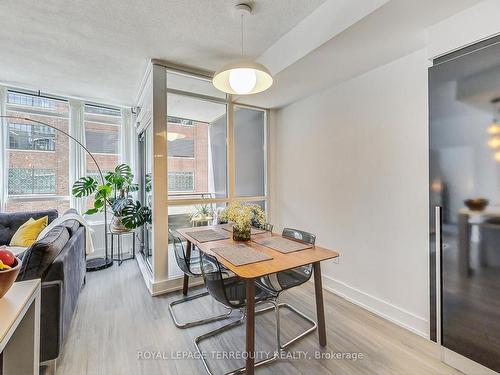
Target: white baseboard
(145, 272)
(157, 288)
(386, 310)
(171, 285)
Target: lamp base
(97, 264)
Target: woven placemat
(239, 255)
(207, 235)
(253, 230)
(283, 245)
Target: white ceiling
(99, 50)
(393, 30)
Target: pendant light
(243, 77)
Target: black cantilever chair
(190, 267)
(281, 281)
(230, 290)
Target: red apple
(7, 257)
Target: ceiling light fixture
(243, 77)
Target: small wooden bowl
(7, 277)
(477, 204)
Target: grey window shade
(249, 139)
(218, 147)
(102, 142)
(181, 148)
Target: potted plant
(202, 215)
(116, 193)
(242, 217)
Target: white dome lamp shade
(243, 77)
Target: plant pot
(8, 277)
(241, 234)
(117, 226)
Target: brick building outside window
(38, 156)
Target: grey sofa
(59, 261)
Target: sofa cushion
(10, 222)
(27, 233)
(72, 225)
(42, 253)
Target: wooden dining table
(254, 271)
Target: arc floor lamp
(93, 264)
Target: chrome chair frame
(230, 290)
(231, 325)
(198, 322)
(305, 237)
(187, 269)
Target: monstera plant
(116, 192)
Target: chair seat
(236, 291)
(278, 282)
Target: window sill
(37, 197)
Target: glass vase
(241, 234)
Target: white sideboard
(20, 329)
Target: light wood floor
(117, 320)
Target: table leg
(250, 328)
(464, 238)
(185, 284)
(320, 309)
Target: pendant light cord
(242, 20)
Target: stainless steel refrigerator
(464, 108)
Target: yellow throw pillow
(28, 232)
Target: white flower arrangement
(243, 215)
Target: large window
(197, 147)
(102, 138)
(39, 102)
(31, 137)
(37, 155)
(211, 160)
(32, 181)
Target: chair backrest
(230, 290)
(299, 235)
(268, 227)
(180, 256)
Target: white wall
(472, 25)
(350, 164)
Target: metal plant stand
(119, 242)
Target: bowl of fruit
(9, 269)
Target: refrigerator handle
(439, 246)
